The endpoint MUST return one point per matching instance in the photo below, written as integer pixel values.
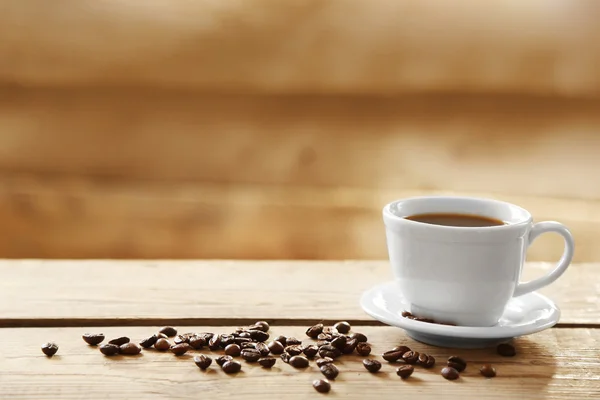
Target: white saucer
(523, 315)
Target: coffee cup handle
(563, 263)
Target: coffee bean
(249, 345)
(49, 349)
(325, 336)
(231, 367)
(405, 371)
(93, 339)
(149, 342)
(251, 355)
(281, 339)
(223, 359)
(411, 357)
(197, 342)
(506, 350)
(161, 336)
(202, 361)
(119, 341)
(359, 337)
(294, 350)
(258, 336)
(329, 351)
(181, 339)
(261, 326)
(168, 330)
(342, 327)
(310, 350)
(329, 370)
(130, 349)
(263, 349)
(240, 341)
(488, 371)
(321, 386)
(292, 341)
(233, 350)
(422, 360)
(362, 348)
(276, 347)
(322, 343)
(180, 349)
(430, 362)
(214, 343)
(322, 361)
(371, 365)
(406, 314)
(395, 354)
(245, 335)
(285, 357)
(450, 373)
(314, 331)
(267, 362)
(298, 362)
(457, 363)
(162, 344)
(339, 342)
(109, 349)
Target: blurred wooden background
(278, 129)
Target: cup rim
(527, 218)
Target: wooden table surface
(58, 301)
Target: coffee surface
(455, 220)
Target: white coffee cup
(464, 275)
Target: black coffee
(449, 219)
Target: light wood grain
(119, 292)
(556, 364)
(343, 46)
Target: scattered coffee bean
(339, 342)
(285, 357)
(109, 349)
(294, 350)
(457, 363)
(181, 339)
(259, 336)
(314, 331)
(411, 357)
(450, 373)
(362, 348)
(226, 340)
(321, 343)
(276, 347)
(430, 362)
(422, 359)
(130, 349)
(488, 371)
(263, 349)
(371, 365)
(310, 350)
(321, 386)
(267, 362)
(161, 336)
(180, 349)
(231, 367)
(223, 359)
(298, 362)
(93, 339)
(395, 354)
(202, 361)
(342, 327)
(233, 350)
(162, 344)
(292, 341)
(168, 330)
(405, 371)
(329, 351)
(214, 343)
(120, 340)
(49, 349)
(359, 337)
(245, 335)
(261, 326)
(322, 361)
(240, 341)
(149, 342)
(251, 355)
(325, 337)
(406, 314)
(197, 342)
(281, 339)
(248, 345)
(506, 350)
(350, 346)
(329, 370)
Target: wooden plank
(342, 46)
(44, 217)
(506, 145)
(556, 364)
(213, 292)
